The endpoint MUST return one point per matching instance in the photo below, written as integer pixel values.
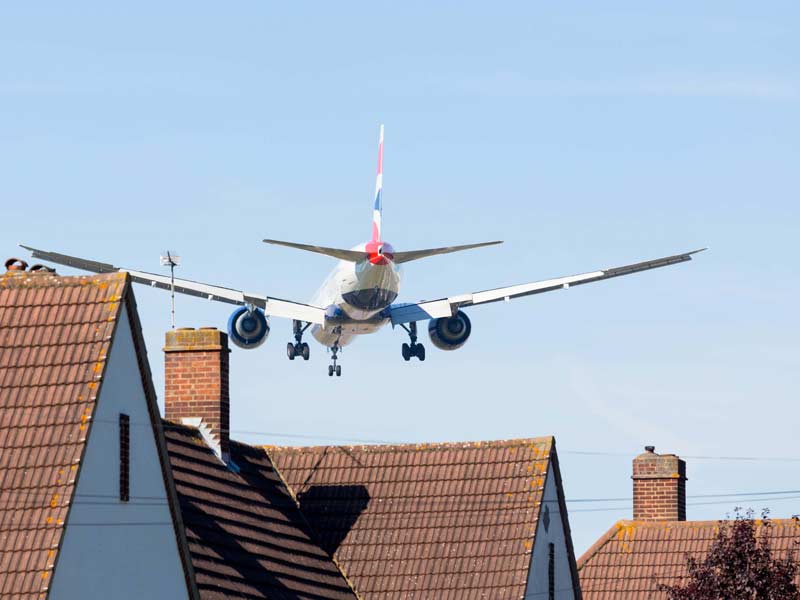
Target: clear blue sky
(585, 137)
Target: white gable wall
(101, 557)
(538, 579)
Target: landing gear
(413, 349)
(333, 367)
(299, 348)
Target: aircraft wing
(447, 307)
(271, 306)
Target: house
(454, 520)
(245, 533)
(80, 444)
(102, 498)
(95, 500)
(634, 556)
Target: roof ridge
(416, 446)
(639, 524)
(24, 279)
(706, 522)
(598, 545)
(314, 533)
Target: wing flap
(405, 313)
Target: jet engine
(450, 333)
(248, 329)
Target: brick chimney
(659, 487)
(196, 383)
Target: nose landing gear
(299, 348)
(413, 349)
(333, 367)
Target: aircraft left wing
(447, 307)
(271, 306)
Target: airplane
(358, 297)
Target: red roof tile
(633, 557)
(424, 521)
(246, 535)
(54, 338)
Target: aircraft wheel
(420, 352)
(305, 351)
(330, 370)
(406, 352)
(338, 370)
(290, 351)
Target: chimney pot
(199, 359)
(650, 449)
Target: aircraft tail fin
(377, 208)
(402, 257)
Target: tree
(739, 566)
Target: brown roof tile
(54, 338)
(633, 557)
(426, 520)
(246, 535)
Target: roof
(55, 334)
(428, 520)
(633, 557)
(245, 533)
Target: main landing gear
(333, 367)
(299, 348)
(412, 349)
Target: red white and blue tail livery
(359, 296)
(377, 208)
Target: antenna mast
(171, 260)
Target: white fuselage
(356, 296)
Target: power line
(368, 516)
(510, 502)
(571, 500)
(332, 440)
(627, 498)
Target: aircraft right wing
(447, 307)
(271, 306)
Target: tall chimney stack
(196, 383)
(659, 487)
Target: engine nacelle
(248, 329)
(450, 333)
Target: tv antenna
(171, 260)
